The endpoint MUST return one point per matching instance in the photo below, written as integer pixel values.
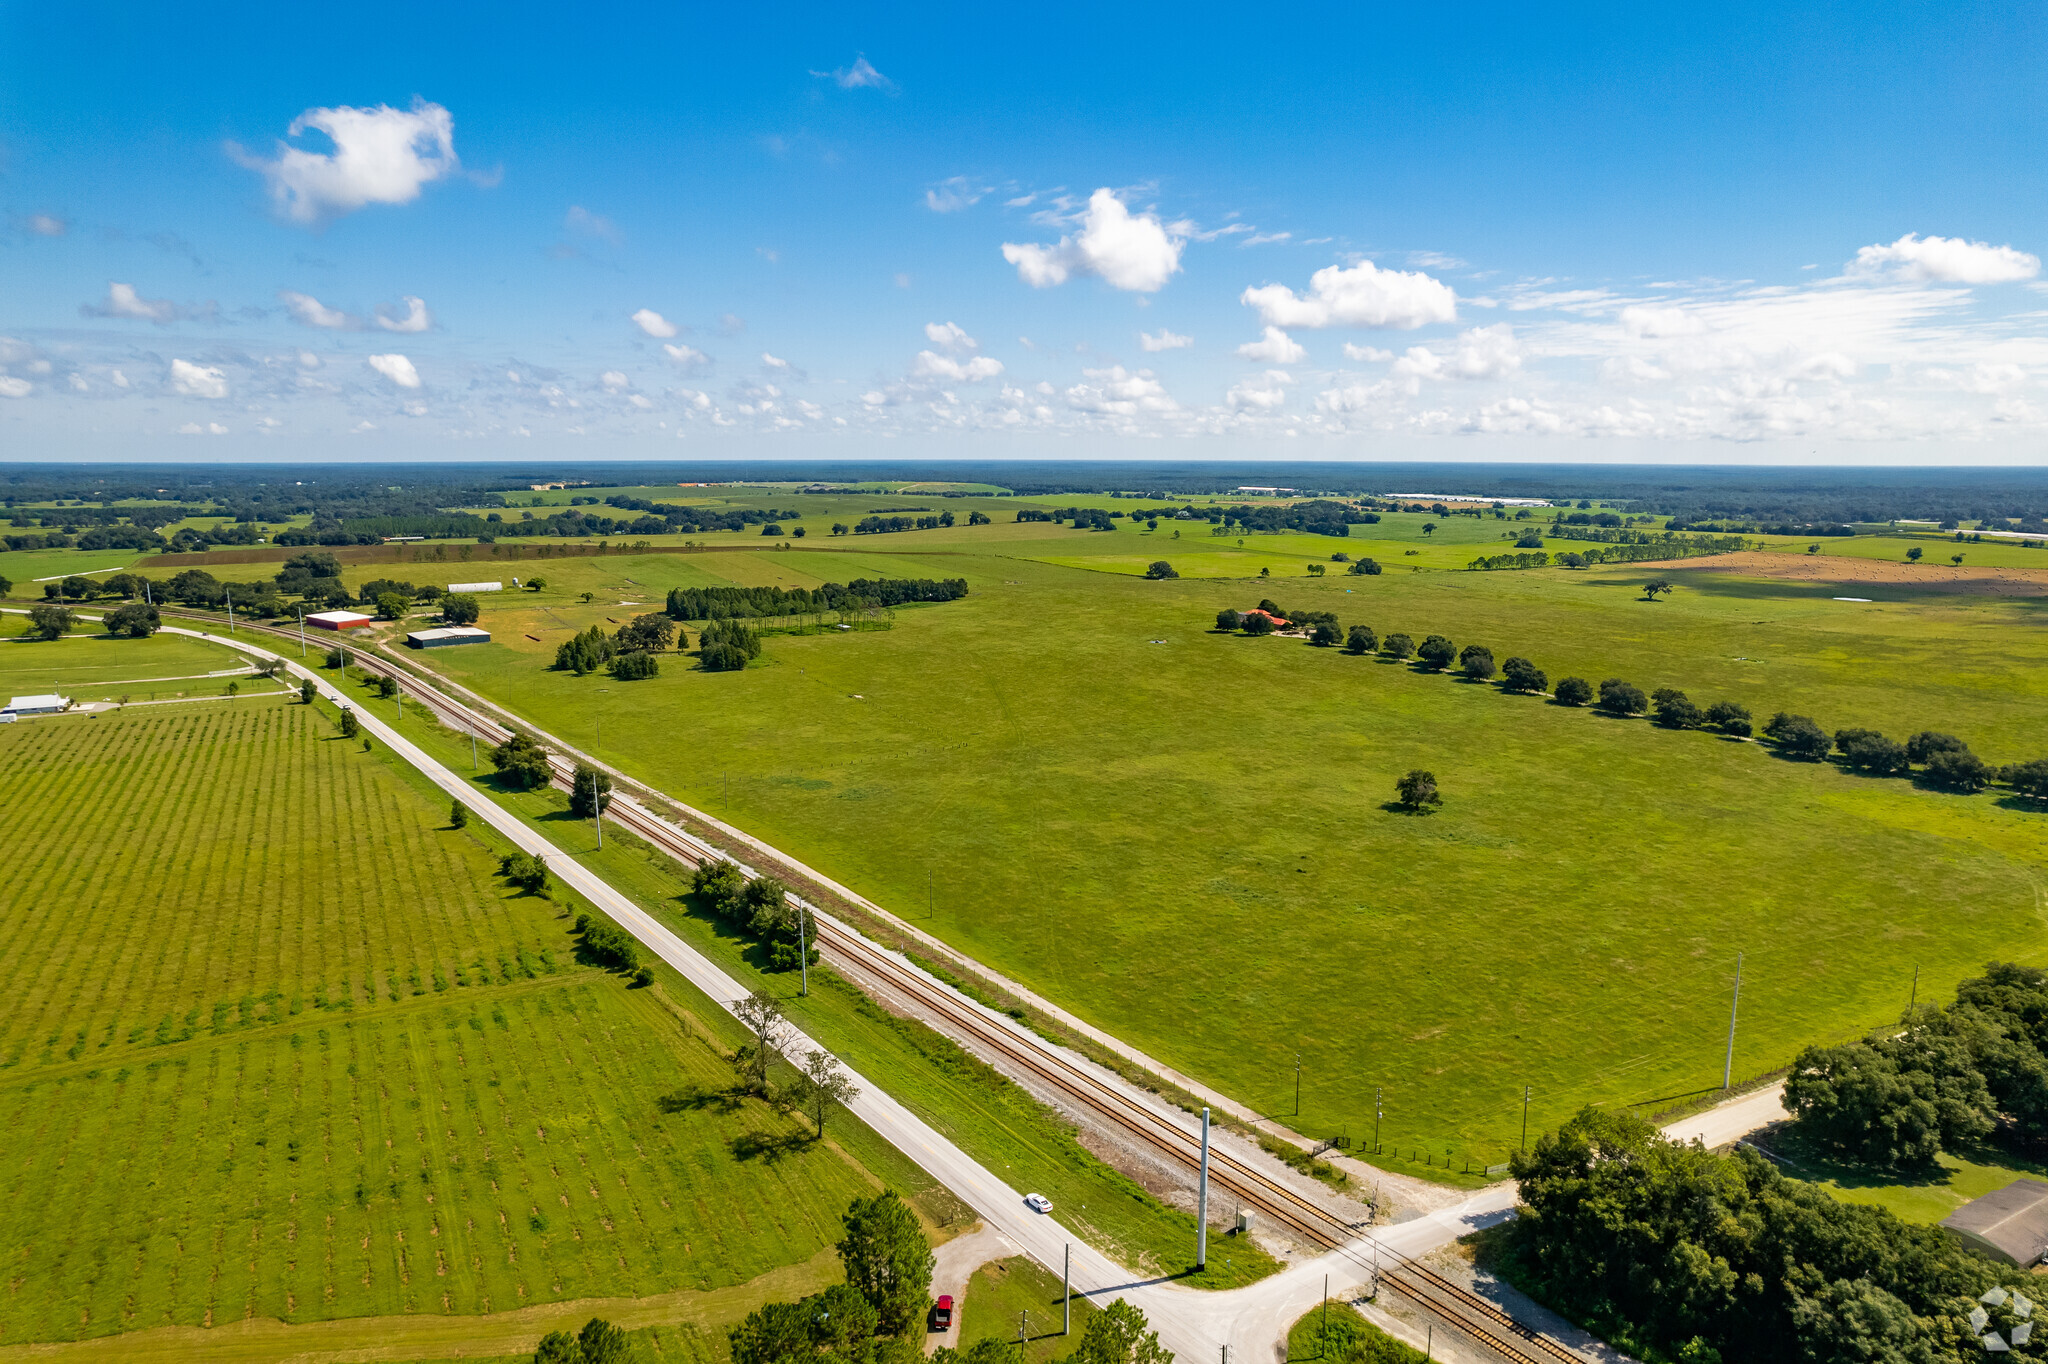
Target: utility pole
(472, 753)
(1323, 1342)
(1728, 1066)
(1914, 998)
(231, 610)
(302, 630)
(1297, 1084)
(1202, 1201)
(1023, 1316)
(1525, 1119)
(1376, 1119)
(1067, 1293)
(930, 901)
(803, 953)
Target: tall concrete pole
(1728, 1066)
(1067, 1292)
(1202, 1201)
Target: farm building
(476, 587)
(447, 635)
(39, 705)
(2010, 1225)
(338, 620)
(1278, 623)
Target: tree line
(630, 650)
(1944, 761)
(714, 603)
(1941, 1079)
(1673, 1252)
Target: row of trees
(761, 907)
(1673, 1252)
(630, 651)
(715, 603)
(1942, 1078)
(1945, 761)
(136, 620)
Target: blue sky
(1595, 233)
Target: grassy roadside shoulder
(974, 1106)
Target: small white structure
(476, 587)
(338, 620)
(51, 704)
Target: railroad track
(1054, 1067)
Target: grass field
(252, 1067)
(84, 666)
(1924, 1197)
(1006, 1296)
(1182, 835)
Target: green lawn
(280, 1044)
(87, 666)
(1181, 835)
(1924, 1197)
(1006, 1296)
(1338, 1335)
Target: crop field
(1183, 836)
(280, 1044)
(82, 665)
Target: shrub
(635, 667)
(1729, 718)
(1622, 698)
(1365, 568)
(1416, 789)
(530, 874)
(2029, 779)
(1228, 619)
(1675, 710)
(1325, 634)
(1522, 675)
(1799, 737)
(1159, 568)
(1361, 640)
(1397, 646)
(1257, 624)
(1924, 745)
(1436, 651)
(1958, 771)
(606, 943)
(1574, 691)
(522, 763)
(1868, 751)
(1476, 660)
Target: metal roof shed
(51, 704)
(338, 620)
(2010, 1225)
(447, 635)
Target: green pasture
(988, 1117)
(24, 567)
(1006, 1297)
(81, 665)
(1182, 836)
(1922, 1196)
(279, 1044)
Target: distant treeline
(721, 603)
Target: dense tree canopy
(887, 1260)
(1573, 691)
(1361, 640)
(1476, 662)
(1436, 651)
(1798, 736)
(1397, 646)
(522, 763)
(1417, 789)
(136, 620)
(1522, 675)
(1622, 698)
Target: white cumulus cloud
(381, 155)
(950, 196)
(614, 381)
(123, 301)
(689, 357)
(1116, 392)
(397, 368)
(654, 324)
(773, 361)
(950, 335)
(1264, 393)
(1356, 352)
(1950, 260)
(1165, 340)
(1362, 296)
(195, 429)
(931, 365)
(416, 319)
(198, 381)
(1481, 353)
(1135, 253)
(11, 387)
(1274, 348)
(309, 311)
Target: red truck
(942, 1313)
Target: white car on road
(1038, 1202)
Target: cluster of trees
(1487, 562)
(1673, 1252)
(630, 651)
(887, 525)
(1084, 518)
(1159, 569)
(528, 873)
(1319, 517)
(1671, 543)
(613, 948)
(1946, 762)
(1941, 1079)
(727, 646)
(599, 1342)
(521, 763)
(874, 1317)
(761, 907)
(714, 603)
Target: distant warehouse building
(476, 587)
(2010, 1226)
(449, 634)
(338, 620)
(37, 705)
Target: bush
(606, 943)
(1361, 640)
(1325, 634)
(1574, 691)
(1476, 660)
(1729, 718)
(530, 874)
(522, 763)
(1522, 675)
(1622, 698)
(635, 667)
(461, 609)
(387, 686)
(1868, 751)
(590, 792)
(1365, 568)
(1159, 568)
(722, 658)
(2029, 779)
(1676, 711)
(1228, 619)
(1958, 771)
(1923, 746)
(1799, 737)
(1257, 624)
(1397, 646)
(1436, 651)
(1416, 789)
